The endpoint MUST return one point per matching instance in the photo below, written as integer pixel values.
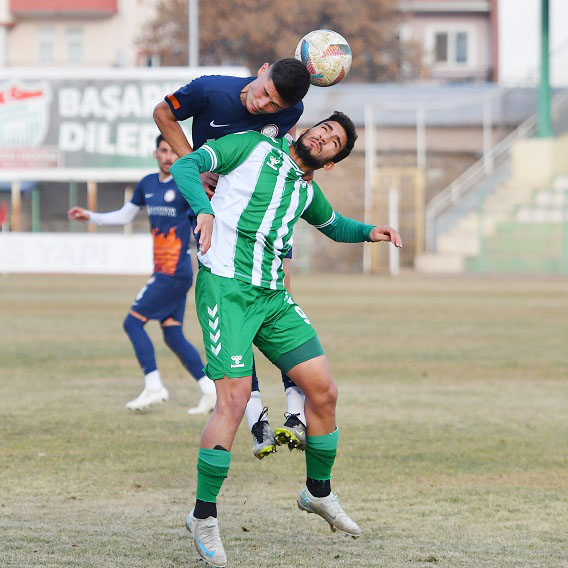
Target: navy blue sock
(204, 509)
(318, 487)
(287, 381)
(141, 342)
(254, 386)
(187, 353)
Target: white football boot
(207, 539)
(328, 508)
(205, 405)
(148, 397)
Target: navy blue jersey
(171, 221)
(214, 102)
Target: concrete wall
(75, 253)
(537, 160)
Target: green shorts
(234, 314)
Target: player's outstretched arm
(122, 216)
(321, 215)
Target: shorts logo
(237, 361)
(214, 324)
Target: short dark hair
(349, 128)
(159, 139)
(291, 79)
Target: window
(461, 47)
(441, 48)
(451, 47)
(74, 45)
(45, 44)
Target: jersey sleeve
(321, 215)
(186, 171)
(189, 100)
(220, 156)
(138, 195)
(230, 151)
(319, 212)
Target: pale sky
(519, 41)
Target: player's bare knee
(233, 405)
(325, 398)
(232, 398)
(329, 395)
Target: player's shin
(187, 353)
(320, 457)
(212, 470)
(141, 343)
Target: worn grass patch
(453, 416)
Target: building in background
(70, 33)
(459, 38)
(487, 40)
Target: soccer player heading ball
(270, 103)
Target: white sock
(296, 399)
(253, 409)
(206, 385)
(153, 380)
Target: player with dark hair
(164, 295)
(244, 232)
(269, 103)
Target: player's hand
(78, 214)
(204, 228)
(209, 181)
(386, 233)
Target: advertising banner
(87, 118)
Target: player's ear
(262, 70)
(328, 166)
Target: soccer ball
(327, 56)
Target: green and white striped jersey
(259, 198)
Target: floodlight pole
(193, 32)
(544, 127)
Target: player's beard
(303, 152)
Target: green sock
(212, 469)
(320, 455)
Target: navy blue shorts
(162, 297)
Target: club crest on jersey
(274, 162)
(270, 130)
(170, 195)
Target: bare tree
(250, 32)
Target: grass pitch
(453, 416)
